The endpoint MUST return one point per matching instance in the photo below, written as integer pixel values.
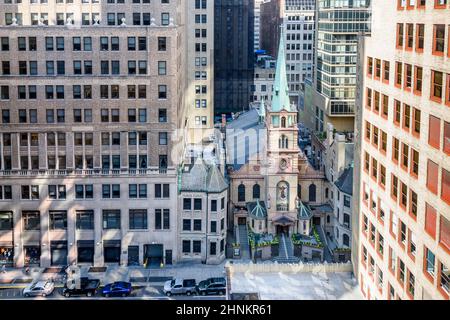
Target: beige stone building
(403, 192)
(95, 100)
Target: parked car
(117, 289)
(39, 288)
(86, 287)
(180, 286)
(212, 286)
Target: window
(187, 204)
(408, 77)
(58, 220)
(395, 149)
(241, 193)
(400, 35)
(30, 192)
(409, 36)
(163, 138)
(369, 66)
(162, 92)
(420, 35)
(438, 39)
(445, 186)
(111, 219)
(197, 225)
(197, 204)
(430, 262)
(434, 132)
(162, 219)
(31, 220)
(430, 220)
(432, 176)
(85, 220)
(162, 69)
(437, 80)
(162, 191)
(213, 205)
(6, 220)
(444, 237)
(162, 43)
(138, 219)
(164, 19)
(411, 284)
(405, 156)
(186, 246)
(446, 138)
(415, 162)
(398, 74)
(256, 191)
(57, 192)
(394, 187)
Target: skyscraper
(333, 88)
(403, 220)
(297, 19)
(233, 55)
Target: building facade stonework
(404, 208)
(93, 100)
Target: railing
(90, 172)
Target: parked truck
(180, 286)
(84, 286)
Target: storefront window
(32, 255)
(6, 256)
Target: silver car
(39, 288)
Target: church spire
(280, 96)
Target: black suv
(212, 286)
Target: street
(150, 292)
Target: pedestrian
(3, 269)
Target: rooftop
(297, 286)
(345, 182)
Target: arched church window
(312, 192)
(283, 143)
(256, 191)
(241, 192)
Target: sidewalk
(139, 276)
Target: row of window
(86, 191)
(88, 1)
(436, 177)
(83, 67)
(196, 225)
(87, 139)
(111, 219)
(85, 161)
(420, 4)
(81, 115)
(58, 92)
(82, 43)
(195, 204)
(112, 19)
(195, 246)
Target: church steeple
(280, 95)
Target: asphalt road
(149, 292)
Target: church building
(273, 188)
